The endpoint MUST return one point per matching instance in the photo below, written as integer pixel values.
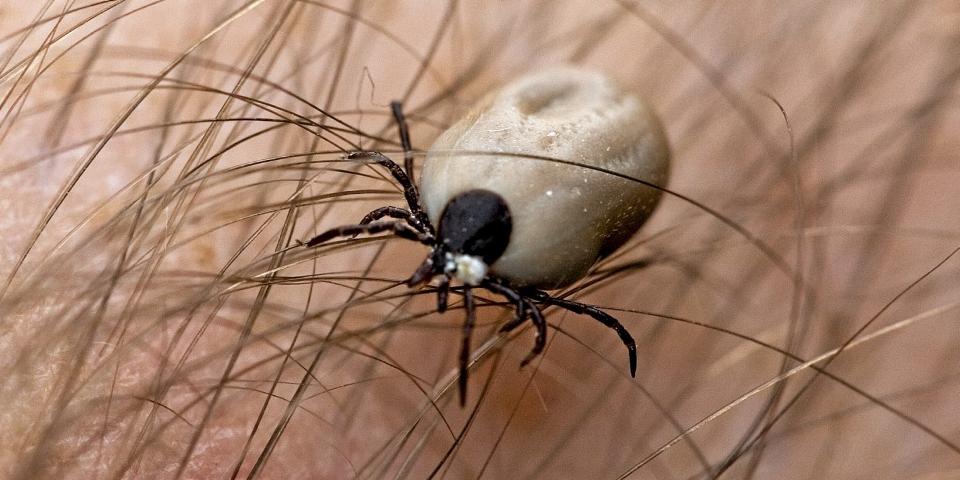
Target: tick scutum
(477, 223)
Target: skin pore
(160, 160)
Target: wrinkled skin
(145, 346)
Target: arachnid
(517, 225)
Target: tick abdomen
(564, 217)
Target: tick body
(565, 218)
(517, 225)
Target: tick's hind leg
(598, 315)
(540, 342)
(523, 306)
(513, 297)
(399, 229)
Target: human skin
(147, 316)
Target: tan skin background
(159, 161)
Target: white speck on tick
(466, 268)
(549, 193)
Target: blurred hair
(794, 298)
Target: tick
(518, 226)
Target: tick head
(476, 223)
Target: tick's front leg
(468, 323)
(599, 315)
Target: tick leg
(518, 320)
(523, 305)
(513, 297)
(399, 229)
(601, 317)
(443, 292)
(397, 109)
(410, 192)
(430, 268)
(541, 340)
(469, 306)
(393, 212)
